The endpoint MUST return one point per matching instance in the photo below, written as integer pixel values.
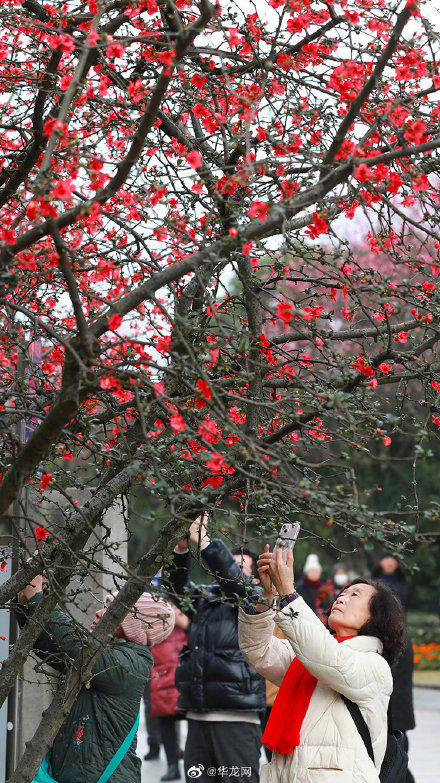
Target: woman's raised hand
(263, 565)
(280, 572)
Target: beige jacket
(331, 749)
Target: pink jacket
(163, 691)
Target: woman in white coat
(311, 732)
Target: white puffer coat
(331, 749)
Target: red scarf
(290, 706)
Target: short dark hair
(243, 550)
(387, 618)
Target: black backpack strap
(360, 724)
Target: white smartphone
(287, 537)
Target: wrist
(203, 541)
(265, 602)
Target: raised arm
(357, 671)
(60, 641)
(119, 667)
(357, 674)
(268, 655)
(176, 579)
(221, 563)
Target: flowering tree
(154, 153)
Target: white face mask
(340, 580)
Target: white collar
(365, 643)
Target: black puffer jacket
(212, 673)
(400, 583)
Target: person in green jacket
(107, 706)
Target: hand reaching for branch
(197, 533)
(35, 587)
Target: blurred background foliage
(384, 481)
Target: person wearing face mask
(99, 734)
(316, 593)
(311, 731)
(338, 578)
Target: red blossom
(210, 431)
(167, 58)
(385, 368)
(212, 481)
(247, 248)
(41, 533)
(203, 388)
(237, 415)
(114, 321)
(318, 227)
(54, 125)
(45, 480)
(136, 90)
(312, 313)
(258, 209)
(163, 344)
(284, 312)
(402, 337)
(216, 462)
(194, 159)
(63, 190)
(115, 50)
(177, 423)
(415, 132)
(364, 368)
(363, 173)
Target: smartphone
(287, 537)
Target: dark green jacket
(105, 709)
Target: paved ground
(424, 753)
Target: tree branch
(371, 83)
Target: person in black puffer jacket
(222, 696)
(401, 702)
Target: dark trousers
(224, 752)
(409, 775)
(170, 738)
(264, 718)
(152, 724)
